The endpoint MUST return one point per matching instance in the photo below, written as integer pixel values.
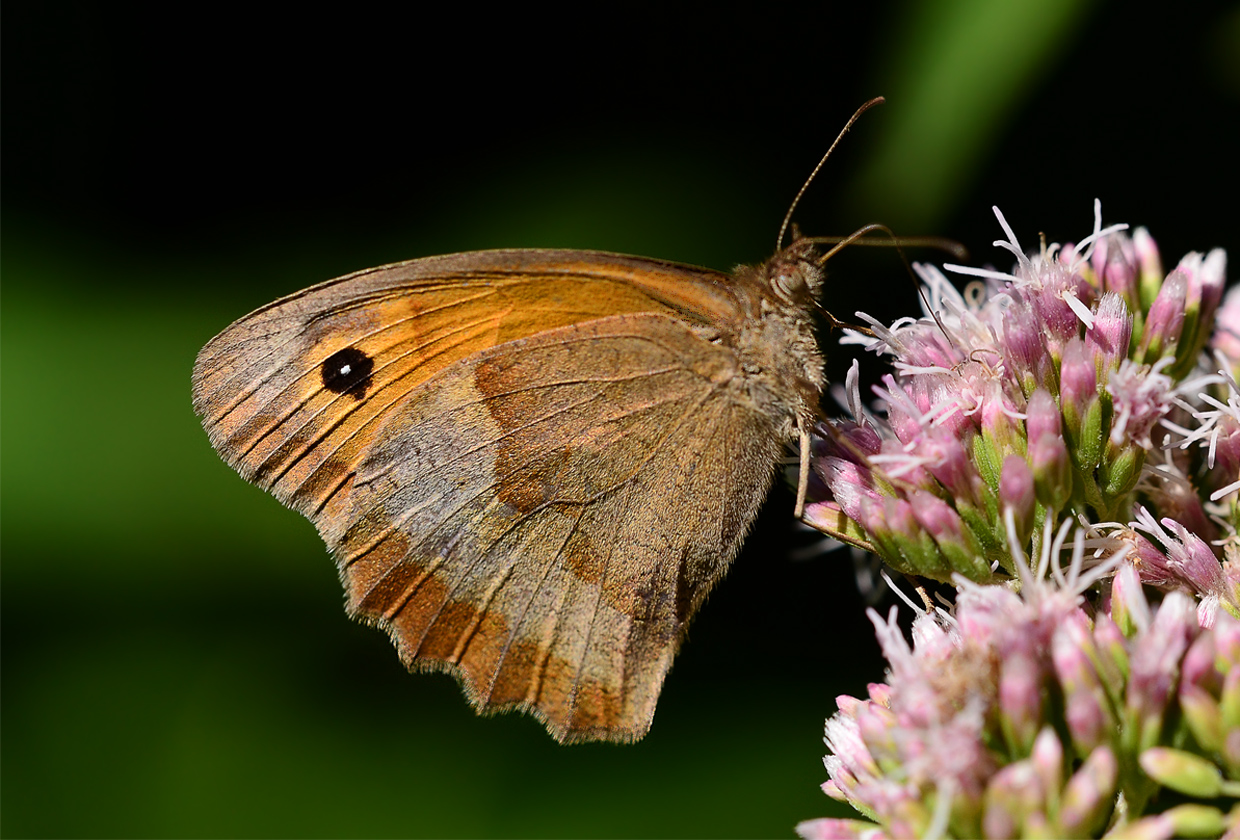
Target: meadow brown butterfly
(531, 466)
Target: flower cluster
(1088, 392)
(1075, 388)
(1026, 715)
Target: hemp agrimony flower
(1075, 387)
(1030, 715)
(1085, 393)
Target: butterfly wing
(530, 466)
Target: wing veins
(495, 591)
(405, 515)
(523, 518)
(533, 422)
(397, 292)
(300, 404)
(399, 521)
(516, 627)
(598, 599)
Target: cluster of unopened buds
(1083, 411)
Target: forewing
(544, 518)
(279, 410)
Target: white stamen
(852, 384)
(1012, 244)
(1081, 310)
(1224, 491)
(913, 605)
(979, 272)
(1085, 248)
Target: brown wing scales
(540, 551)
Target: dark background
(176, 661)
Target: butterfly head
(794, 275)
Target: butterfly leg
(803, 477)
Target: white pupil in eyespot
(345, 369)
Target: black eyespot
(348, 372)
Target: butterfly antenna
(783, 228)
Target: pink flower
(1071, 395)
(961, 740)
(1075, 364)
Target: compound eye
(787, 285)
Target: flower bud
(1047, 758)
(1229, 700)
(1192, 820)
(828, 518)
(951, 466)
(1087, 708)
(1165, 322)
(1227, 645)
(1042, 415)
(1000, 431)
(1107, 340)
(910, 540)
(835, 829)
(1203, 717)
(954, 540)
(1016, 492)
(880, 693)
(1013, 794)
(1052, 471)
(1198, 668)
(843, 736)
(1082, 410)
(1048, 451)
(1157, 827)
(1088, 796)
(1020, 699)
(1120, 469)
(1150, 275)
(1129, 609)
(1206, 279)
(1111, 658)
(876, 726)
(1226, 339)
(1114, 263)
(1182, 771)
(1024, 348)
(1154, 669)
(850, 483)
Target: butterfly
(531, 466)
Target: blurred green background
(176, 661)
